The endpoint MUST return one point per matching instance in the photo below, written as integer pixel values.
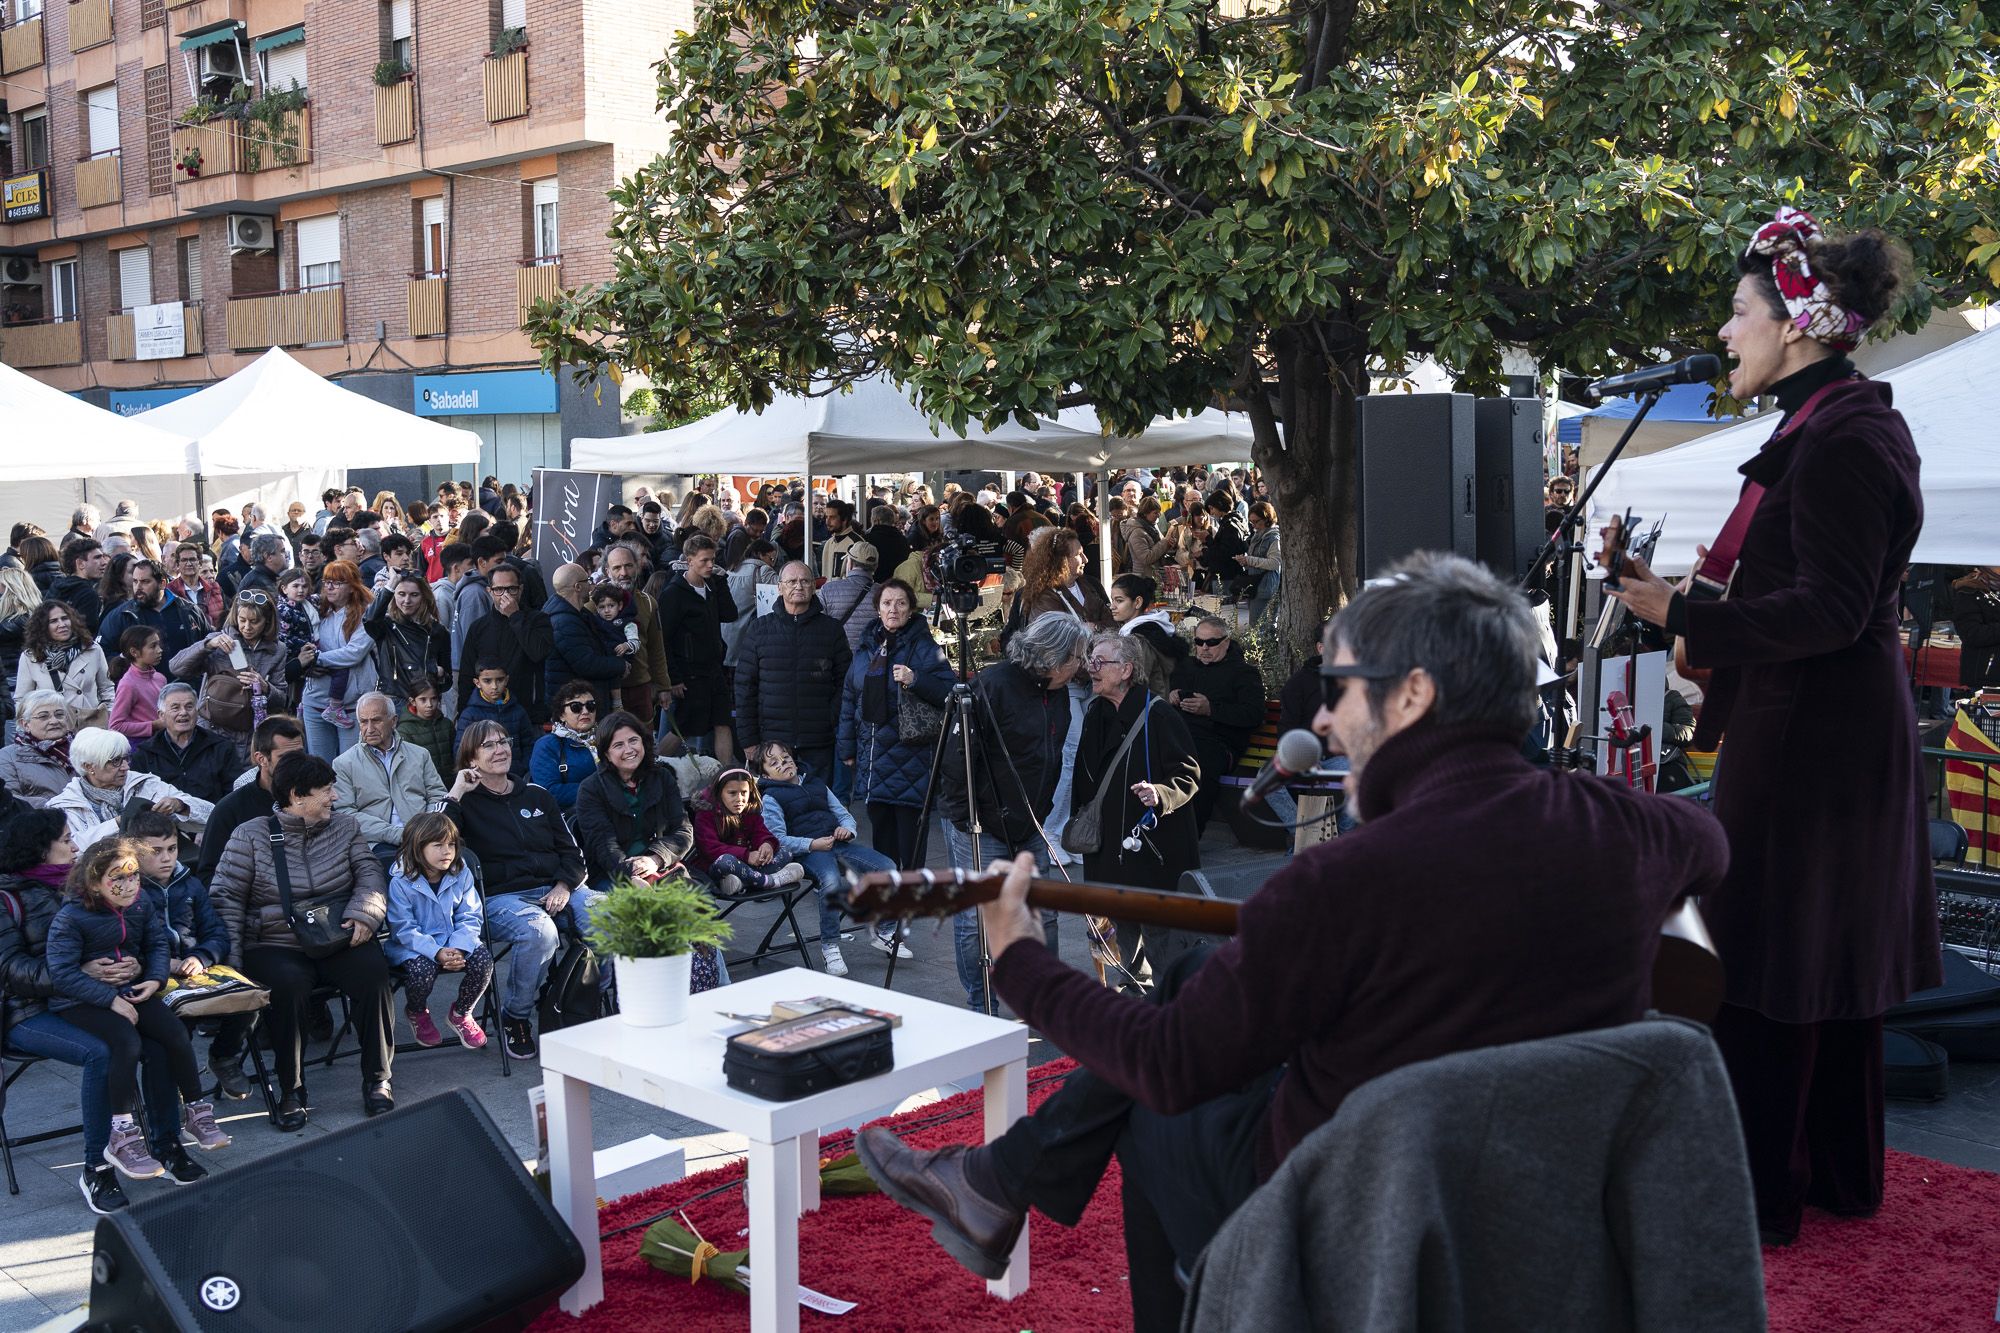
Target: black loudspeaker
(1415, 467)
(420, 1219)
(1508, 440)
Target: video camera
(961, 565)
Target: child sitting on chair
(435, 924)
(731, 842)
(812, 826)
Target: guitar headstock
(1624, 543)
(888, 894)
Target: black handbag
(1084, 834)
(318, 926)
(917, 721)
(572, 993)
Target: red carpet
(1924, 1266)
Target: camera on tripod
(960, 565)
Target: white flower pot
(653, 992)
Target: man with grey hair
(1220, 695)
(383, 782)
(1439, 926)
(1020, 720)
(82, 523)
(268, 557)
(198, 761)
(790, 666)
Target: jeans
(965, 925)
(48, 1036)
(519, 920)
(1059, 812)
(823, 869)
(323, 738)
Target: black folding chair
(787, 898)
(22, 1063)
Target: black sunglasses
(1200, 642)
(1331, 679)
(579, 706)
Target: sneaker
(731, 885)
(467, 1027)
(127, 1151)
(888, 944)
(425, 1028)
(791, 874)
(198, 1125)
(836, 966)
(228, 1075)
(101, 1190)
(520, 1037)
(181, 1168)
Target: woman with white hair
(36, 766)
(105, 785)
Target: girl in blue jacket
(435, 925)
(108, 919)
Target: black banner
(568, 508)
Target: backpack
(571, 995)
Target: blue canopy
(1683, 402)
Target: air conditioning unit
(249, 233)
(222, 60)
(20, 271)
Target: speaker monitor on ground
(1415, 466)
(364, 1231)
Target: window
(283, 62)
(547, 240)
(135, 277)
(191, 270)
(34, 139)
(26, 9)
(398, 47)
(430, 236)
(101, 117)
(318, 242)
(513, 13)
(62, 290)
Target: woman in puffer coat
(896, 654)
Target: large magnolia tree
(1152, 205)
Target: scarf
(58, 658)
(109, 802)
(52, 875)
(55, 751)
(1786, 240)
(568, 733)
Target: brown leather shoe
(977, 1231)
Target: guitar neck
(1176, 911)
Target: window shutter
(135, 276)
(285, 67)
(399, 20)
(433, 233)
(193, 254)
(318, 242)
(513, 13)
(103, 108)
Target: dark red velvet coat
(1828, 910)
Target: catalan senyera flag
(1973, 789)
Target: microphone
(1298, 751)
(1697, 369)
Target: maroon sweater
(1484, 901)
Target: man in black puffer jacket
(1220, 695)
(180, 754)
(791, 664)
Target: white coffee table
(679, 1069)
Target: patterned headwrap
(1783, 241)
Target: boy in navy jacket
(493, 703)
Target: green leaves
(638, 920)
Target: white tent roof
(53, 436)
(876, 428)
(1951, 398)
(274, 415)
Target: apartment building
(381, 187)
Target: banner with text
(568, 508)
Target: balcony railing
(538, 279)
(289, 145)
(396, 112)
(21, 46)
(507, 86)
(43, 343)
(98, 179)
(426, 297)
(89, 24)
(122, 346)
(287, 319)
(211, 149)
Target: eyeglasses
(1099, 663)
(1332, 678)
(579, 706)
(1200, 642)
(252, 597)
(510, 589)
(795, 583)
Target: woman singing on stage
(1828, 915)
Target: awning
(225, 31)
(276, 39)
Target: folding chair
(22, 1063)
(787, 897)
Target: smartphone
(236, 657)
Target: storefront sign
(492, 393)
(568, 508)
(159, 331)
(26, 196)
(131, 402)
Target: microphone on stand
(1697, 369)
(1298, 752)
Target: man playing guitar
(1461, 913)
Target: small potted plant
(652, 931)
(389, 73)
(189, 162)
(507, 41)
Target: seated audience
(731, 843)
(566, 755)
(384, 782)
(275, 737)
(815, 829)
(493, 702)
(629, 817)
(201, 763)
(1220, 694)
(435, 926)
(105, 786)
(36, 766)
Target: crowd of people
(392, 711)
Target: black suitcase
(798, 1057)
(1913, 1069)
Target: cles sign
(26, 196)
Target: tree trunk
(1312, 484)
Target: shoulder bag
(1084, 834)
(317, 927)
(918, 721)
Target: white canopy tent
(1951, 398)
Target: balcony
(89, 24)
(537, 279)
(276, 141)
(211, 149)
(98, 179)
(122, 347)
(507, 86)
(287, 319)
(396, 112)
(426, 297)
(21, 46)
(42, 343)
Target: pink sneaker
(467, 1028)
(422, 1024)
(128, 1152)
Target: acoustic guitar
(1687, 975)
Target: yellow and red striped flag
(1973, 789)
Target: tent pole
(1104, 526)
(201, 501)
